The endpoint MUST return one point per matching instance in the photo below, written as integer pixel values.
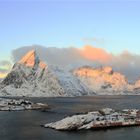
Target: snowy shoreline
(101, 119)
(20, 104)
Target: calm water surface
(25, 125)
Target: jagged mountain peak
(30, 77)
(102, 79)
(91, 71)
(31, 59)
(108, 70)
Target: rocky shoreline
(101, 119)
(20, 104)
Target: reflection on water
(25, 125)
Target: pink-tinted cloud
(95, 54)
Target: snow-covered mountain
(103, 80)
(32, 77)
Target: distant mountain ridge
(32, 77)
(103, 80)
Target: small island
(101, 119)
(20, 104)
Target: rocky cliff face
(31, 77)
(136, 87)
(102, 80)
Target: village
(110, 118)
(104, 118)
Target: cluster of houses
(108, 117)
(104, 118)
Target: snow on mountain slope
(103, 80)
(31, 77)
(136, 87)
(71, 84)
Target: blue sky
(112, 25)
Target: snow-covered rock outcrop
(103, 80)
(20, 104)
(74, 122)
(136, 87)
